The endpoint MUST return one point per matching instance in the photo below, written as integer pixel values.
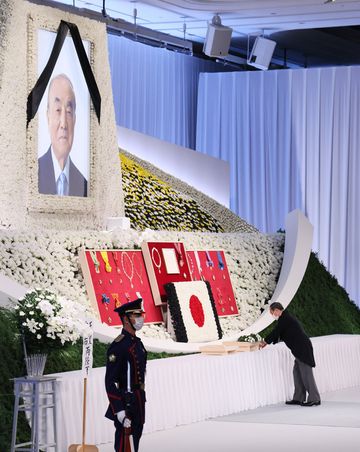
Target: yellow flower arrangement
(152, 203)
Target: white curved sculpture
(298, 241)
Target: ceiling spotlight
(216, 20)
(217, 41)
(329, 1)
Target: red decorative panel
(165, 262)
(115, 277)
(211, 266)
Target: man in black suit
(57, 174)
(289, 330)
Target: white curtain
(155, 90)
(291, 138)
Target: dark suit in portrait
(47, 182)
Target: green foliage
(322, 305)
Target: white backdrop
(155, 90)
(291, 138)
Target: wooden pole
(84, 414)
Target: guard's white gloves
(126, 422)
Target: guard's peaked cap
(133, 307)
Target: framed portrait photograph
(63, 122)
(60, 136)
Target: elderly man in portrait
(57, 173)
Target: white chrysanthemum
(32, 325)
(46, 307)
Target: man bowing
(289, 330)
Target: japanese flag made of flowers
(193, 312)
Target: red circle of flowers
(197, 311)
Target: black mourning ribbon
(36, 94)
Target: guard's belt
(138, 386)
(134, 387)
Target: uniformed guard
(126, 360)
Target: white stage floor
(332, 427)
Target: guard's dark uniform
(125, 349)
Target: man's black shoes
(311, 403)
(293, 402)
(297, 402)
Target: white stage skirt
(192, 388)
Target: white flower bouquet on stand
(48, 322)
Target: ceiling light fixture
(216, 20)
(329, 1)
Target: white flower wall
(50, 261)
